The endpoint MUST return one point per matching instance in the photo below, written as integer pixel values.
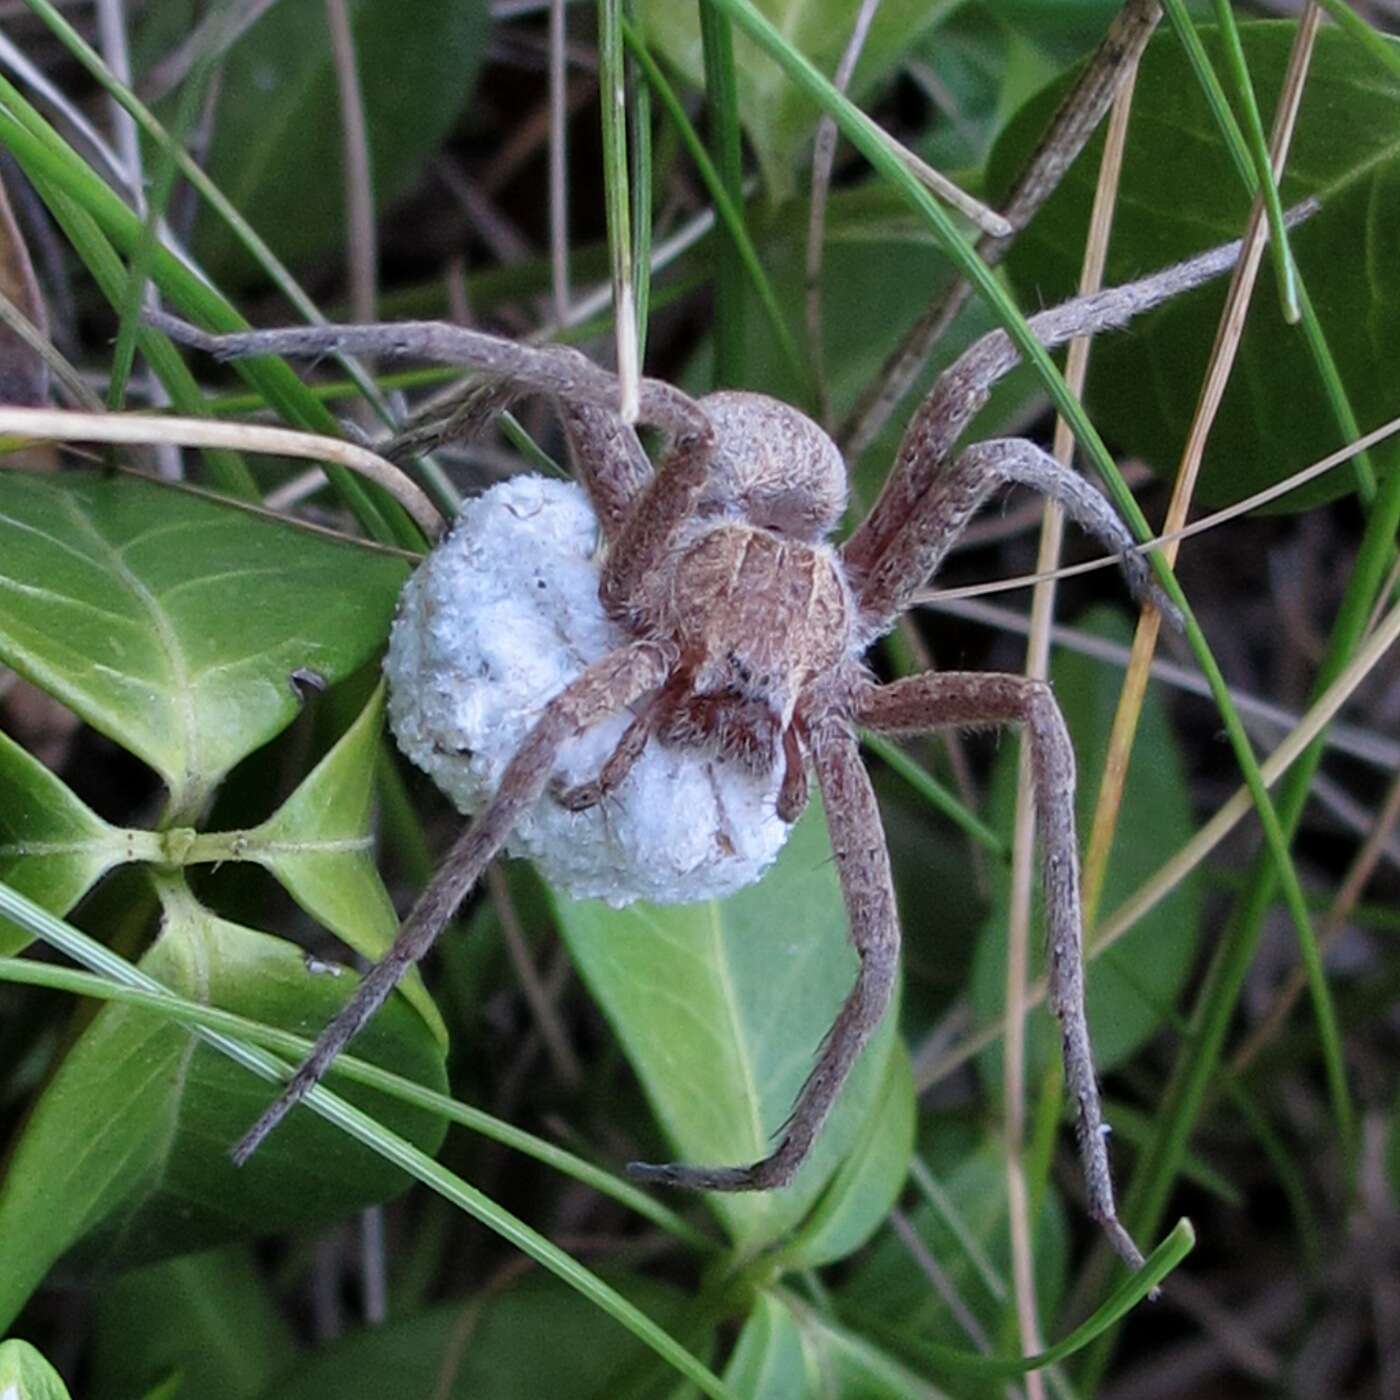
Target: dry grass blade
(1038, 666)
(1343, 455)
(361, 246)
(1221, 363)
(55, 425)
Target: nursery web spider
(743, 631)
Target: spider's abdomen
(760, 615)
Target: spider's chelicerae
(738, 632)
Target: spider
(742, 630)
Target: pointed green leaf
(318, 844)
(25, 1375)
(778, 120)
(721, 1007)
(53, 847)
(788, 1351)
(770, 1361)
(176, 624)
(1131, 987)
(869, 1181)
(1180, 193)
(125, 1156)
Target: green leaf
(787, 1351)
(869, 1181)
(770, 1361)
(175, 624)
(53, 847)
(970, 1237)
(126, 1153)
(1180, 193)
(538, 1338)
(986, 66)
(25, 1375)
(220, 1331)
(721, 1007)
(779, 121)
(1131, 987)
(277, 149)
(318, 844)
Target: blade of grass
(934, 793)
(639, 124)
(363, 1128)
(1169, 875)
(191, 170)
(61, 425)
(722, 104)
(1038, 667)
(823, 162)
(1144, 642)
(558, 163)
(26, 972)
(1279, 250)
(941, 1359)
(612, 99)
(727, 211)
(1238, 149)
(138, 277)
(228, 470)
(54, 166)
(1375, 43)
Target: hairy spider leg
(605, 687)
(964, 387)
(915, 552)
(966, 699)
(867, 887)
(608, 462)
(664, 503)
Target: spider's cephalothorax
(733, 631)
(753, 597)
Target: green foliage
(186, 630)
(156, 1110)
(25, 1375)
(969, 1235)
(1179, 194)
(720, 1007)
(537, 1337)
(278, 148)
(222, 1335)
(779, 121)
(176, 625)
(53, 847)
(788, 1351)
